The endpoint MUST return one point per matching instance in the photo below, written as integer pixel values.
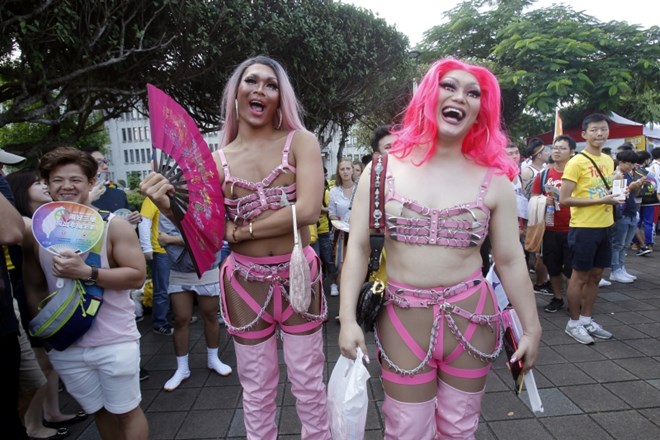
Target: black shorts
(557, 256)
(591, 247)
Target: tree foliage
(554, 56)
(64, 61)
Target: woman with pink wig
(268, 162)
(447, 186)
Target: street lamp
(414, 55)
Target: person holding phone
(447, 187)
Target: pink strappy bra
(264, 197)
(454, 227)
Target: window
(123, 135)
(144, 156)
(146, 133)
(130, 135)
(132, 153)
(125, 157)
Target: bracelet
(233, 234)
(251, 232)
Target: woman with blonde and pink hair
(268, 162)
(446, 187)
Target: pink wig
(484, 143)
(289, 105)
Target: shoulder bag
(616, 213)
(372, 293)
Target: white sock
(215, 364)
(585, 320)
(182, 373)
(573, 322)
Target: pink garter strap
(274, 270)
(442, 300)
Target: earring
(279, 125)
(487, 135)
(236, 107)
(421, 119)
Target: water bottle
(550, 215)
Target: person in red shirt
(555, 251)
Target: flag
(559, 128)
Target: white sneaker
(604, 283)
(620, 277)
(629, 275)
(597, 331)
(334, 290)
(580, 334)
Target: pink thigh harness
(275, 271)
(443, 301)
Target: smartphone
(510, 347)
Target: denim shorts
(591, 247)
(557, 256)
(212, 289)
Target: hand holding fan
(185, 160)
(60, 226)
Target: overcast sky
(414, 17)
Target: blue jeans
(160, 274)
(623, 232)
(326, 255)
(646, 214)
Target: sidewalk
(610, 390)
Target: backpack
(648, 191)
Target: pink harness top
(441, 227)
(442, 300)
(274, 270)
(264, 197)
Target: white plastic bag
(136, 296)
(347, 398)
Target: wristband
(251, 232)
(233, 234)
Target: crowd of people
(456, 198)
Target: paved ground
(610, 390)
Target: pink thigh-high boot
(258, 371)
(409, 421)
(457, 417)
(303, 355)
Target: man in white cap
(7, 158)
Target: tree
(555, 55)
(64, 60)
(134, 178)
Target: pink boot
(458, 412)
(258, 371)
(408, 421)
(303, 355)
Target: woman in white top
(339, 208)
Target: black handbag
(372, 293)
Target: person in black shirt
(11, 233)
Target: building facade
(130, 150)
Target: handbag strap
(600, 173)
(377, 210)
(377, 194)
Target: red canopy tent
(620, 128)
